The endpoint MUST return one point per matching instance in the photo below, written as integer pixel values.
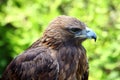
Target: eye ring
(75, 30)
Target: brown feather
(56, 56)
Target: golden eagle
(57, 55)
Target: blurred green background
(23, 21)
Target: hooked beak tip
(95, 38)
(91, 34)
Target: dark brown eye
(75, 30)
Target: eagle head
(68, 30)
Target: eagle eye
(75, 30)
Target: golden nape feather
(57, 55)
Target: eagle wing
(33, 64)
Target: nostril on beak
(87, 31)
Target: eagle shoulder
(33, 64)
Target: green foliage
(23, 21)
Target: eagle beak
(87, 33)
